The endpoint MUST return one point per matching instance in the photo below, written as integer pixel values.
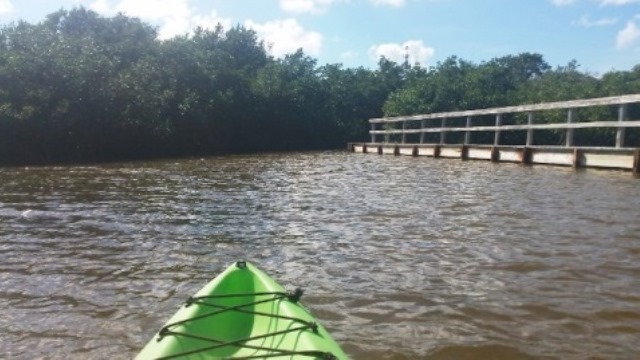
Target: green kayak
(242, 314)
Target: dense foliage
(79, 87)
(527, 78)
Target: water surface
(401, 258)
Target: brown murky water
(401, 258)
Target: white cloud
(349, 55)
(211, 21)
(416, 50)
(618, 2)
(6, 7)
(306, 6)
(148, 9)
(286, 36)
(585, 21)
(174, 17)
(100, 6)
(394, 3)
(563, 2)
(628, 36)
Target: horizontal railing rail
(575, 104)
(585, 125)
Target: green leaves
(81, 87)
(456, 84)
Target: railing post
(571, 118)
(443, 134)
(423, 123)
(467, 134)
(622, 116)
(373, 135)
(404, 135)
(529, 131)
(496, 140)
(386, 135)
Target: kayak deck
(242, 314)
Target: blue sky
(602, 35)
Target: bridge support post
(526, 155)
(495, 154)
(436, 151)
(578, 160)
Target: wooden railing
(572, 123)
(514, 148)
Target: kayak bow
(242, 314)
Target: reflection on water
(401, 257)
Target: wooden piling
(526, 155)
(464, 153)
(577, 158)
(495, 154)
(436, 151)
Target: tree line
(79, 87)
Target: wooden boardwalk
(408, 135)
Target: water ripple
(401, 257)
